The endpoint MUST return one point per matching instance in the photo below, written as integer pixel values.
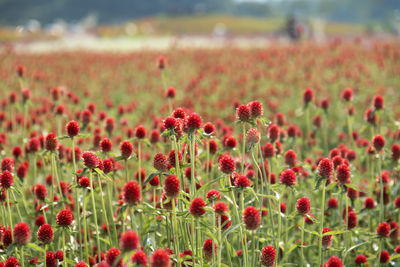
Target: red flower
(160, 162)
(90, 160)
(6, 179)
(139, 258)
(51, 143)
(171, 186)
(22, 233)
(193, 121)
(369, 203)
(385, 257)
(242, 181)
(268, 150)
(360, 259)
(131, 193)
(160, 258)
(12, 262)
(273, 132)
(253, 136)
(378, 102)
(325, 168)
(256, 109)
(268, 256)
(208, 249)
(332, 203)
(209, 128)
(343, 174)
(140, 132)
(81, 264)
(126, 149)
(308, 95)
(106, 145)
(378, 142)
(65, 218)
(170, 92)
(352, 220)
(72, 128)
(243, 113)
(347, 94)
(40, 191)
(383, 229)
(220, 207)
(327, 239)
(129, 241)
(213, 195)
(170, 123)
(395, 152)
(113, 257)
(45, 233)
(290, 158)
(155, 181)
(303, 206)
(288, 177)
(251, 218)
(334, 262)
(7, 164)
(227, 164)
(197, 207)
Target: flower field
(283, 156)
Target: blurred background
(132, 24)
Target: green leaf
(231, 229)
(352, 186)
(268, 196)
(331, 186)
(335, 232)
(35, 247)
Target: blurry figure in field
(293, 29)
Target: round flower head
(90, 160)
(197, 207)
(288, 177)
(384, 257)
(360, 259)
(160, 162)
(378, 102)
(45, 233)
(160, 258)
(343, 174)
(81, 264)
(7, 164)
(131, 193)
(65, 218)
(213, 195)
(378, 142)
(21, 233)
(6, 179)
(251, 218)
(170, 123)
(140, 132)
(268, 256)
(273, 132)
(347, 94)
(290, 158)
(226, 164)
(40, 191)
(256, 109)
(209, 128)
(208, 249)
(113, 257)
(369, 203)
(326, 239)
(129, 241)
(106, 145)
(325, 168)
(72, 128)
(243, 113)
(395, 152)
(268, 150)
(139, 258)
(126, 149)
(162, 62)
(170, 93)
(351, 220)
(253, 136)
(308, 95)
(332, 203)
(12, 262)
(220, 207)
(51, 142)
(171, 186)
(383, 229)
(303, 206)
(334, 262)
(193, 121)
(242, 181)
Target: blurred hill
(16, 12)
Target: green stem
(104, 207)
(301, 243)
(85, 240)
(111, 213)
(381, 204)
(322, 224)
(77, 203)
(219, 241)
(22, 257)
(174, 229)
(64, 249)
(243, 145)
(140, 165)
(192, 164)
(244, 238)
(94, 212)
